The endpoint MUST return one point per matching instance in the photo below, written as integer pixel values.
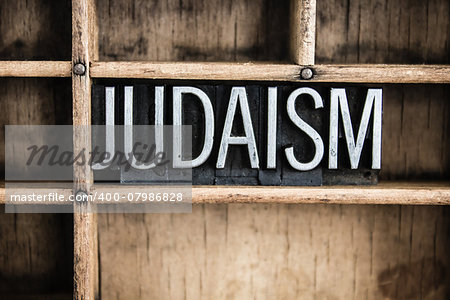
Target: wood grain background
(284, 251)
(36, 250)
(246, 251)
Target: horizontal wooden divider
(35, 68)
(424, 193)
(196, 70)
(272, 72)
(235, 71)
(382, 73)
(383, 193)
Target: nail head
(80, 195)
(79, 69)
(306, 73)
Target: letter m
(374, 100)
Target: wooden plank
(386, 32)
(205, 71)
(273, 72)
(387, 192)
(33, 101)
(416, 135)
(382, 73)
(174, 30)
(384, 193)
(35, 68)
(35, 30)
(38, 248)
(289, 251)
(303, 31)
(85, 222)
(277, 251)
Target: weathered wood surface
(81, 85)
(386, 32)
(425, 194)
(240, 251)
(35, 68)
(382, 73)
(404, 193)
(382, 252)
(35, 30)
(36, 249)
(36, 256)
(288, 251)
(303, 31)
(416, 132)
(235, 71)
(273, 72)
(84, 36)
(193, 30)
(356, 31)
(422, 193)
(189, 70)
(32, 102)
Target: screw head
(81, 196)
(306, 73)
(79, 69)
(82, 202)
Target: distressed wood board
(359, 251)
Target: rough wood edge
(234, 71)
(303, 31)
(35, 68)
(384, 193)
(272, 72)
(405, 193)
(382, 73)
(85, 222)
(195, 70)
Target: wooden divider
(257, 71)
(386, 192)
(272, 72)
(83, 67)
(35, 69)
(303, 31)
(85, 222)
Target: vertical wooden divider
(84, 50)
(303, 31)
